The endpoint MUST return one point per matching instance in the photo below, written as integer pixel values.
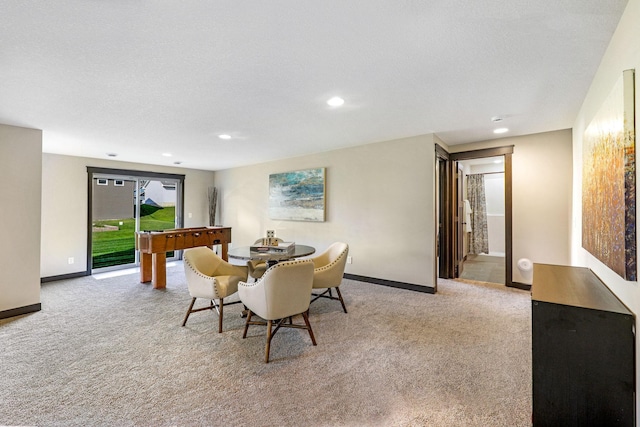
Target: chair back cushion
(198, 269)
(330, 265)
(284, 290)
(203, 259)
(209, 276)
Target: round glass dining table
(245, 253)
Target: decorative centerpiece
(282, 247)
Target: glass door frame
(130, 175)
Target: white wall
(163, 197)
(623, 53)
(494, 190)
(65, 205)
(379, 200)
(542, 182)
(20, 162)
(494, 193)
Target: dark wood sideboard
(154, 245)
(583, 350)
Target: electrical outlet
(349, 260)
(71, 260)
(190, 215)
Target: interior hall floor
(484, 268)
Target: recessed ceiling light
(501, 130)
(167, 154)
(177, 163)
(224, 136)
(112, 154)
(336, 101)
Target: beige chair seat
(258, 267)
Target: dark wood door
(459, 225)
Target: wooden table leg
(145, 267)
(225, 248)
(159, 279)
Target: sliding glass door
(124, 202)
(113, 224)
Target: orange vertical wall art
(609, 181)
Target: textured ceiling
(141, 78)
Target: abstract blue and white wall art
(297, 195)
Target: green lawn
(118, 246)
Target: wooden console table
(583, 350)
(154, 245)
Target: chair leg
(341, 300)
(184, 322)
(220, 315)
(266, 351)
(328, 294)
(246, 324)
(305, 316)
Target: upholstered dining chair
(210, 277)
(258, 267)
(328, 272)
(281, 293)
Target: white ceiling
(141, 78)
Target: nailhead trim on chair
(335, 261)
(280, 264)
(204, 276)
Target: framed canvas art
(609, 181)
(297, 195)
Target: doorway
(122, 203)
(454, 225)
(481, 238)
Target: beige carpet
(111, 352)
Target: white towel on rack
(467, 216)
